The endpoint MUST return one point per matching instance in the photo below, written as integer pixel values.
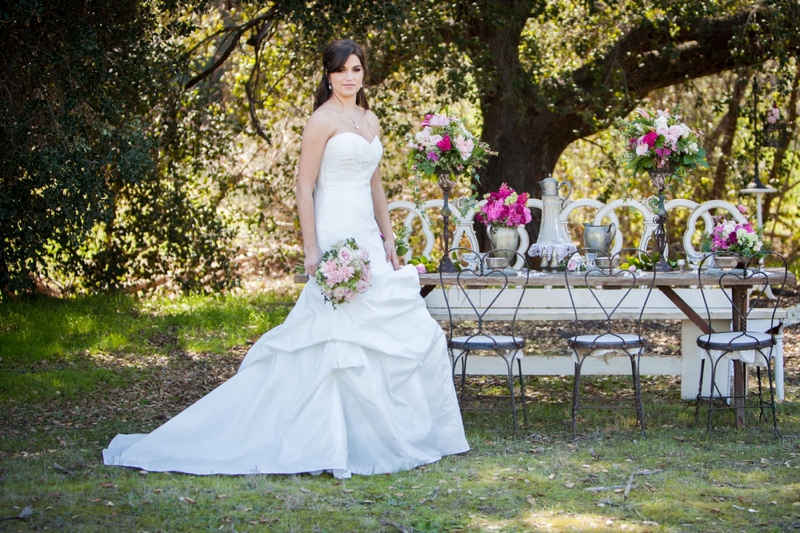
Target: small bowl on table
(496, 263)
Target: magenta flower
(663, 152)
(433, 156)
(505, 208)
(650, 139)
(445, 144)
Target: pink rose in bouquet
(344, 272)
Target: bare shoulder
(321, 124)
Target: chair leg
(510, 377)
(712, 387)
(522, 391)
(637, 391)
(699, 391)
(463, 376)
(760, 394)
(576, 392)
(772, 398)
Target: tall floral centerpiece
(446, 151)
(661, 145)
(503, 212)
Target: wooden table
(666, 282)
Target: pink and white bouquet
(660, 140)
(774, 114)
(738, 238)
(445, 147)
(344, 272)
(505, 208)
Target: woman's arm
(316, 133)
(381, 207)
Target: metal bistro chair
(603, 289)
(486, 307)
(745, 344)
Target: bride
(364, 388)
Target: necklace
(352, 120)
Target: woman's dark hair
(334, 57)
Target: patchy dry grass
(75, 373)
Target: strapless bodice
(343, 195)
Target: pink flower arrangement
(344, 272)
(774, 114)
(445, 146)
(738, 238)
(660, 140)
(505, 208)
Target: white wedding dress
(365, 388)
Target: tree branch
(650, 59)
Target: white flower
(671, 140)
(676, 131)
(663, 130)
(685, 130)
(642, 149)
(757, 246)
(727, 229)
(465, 146)
(693, 148)
(662, 121)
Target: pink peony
(649, 139)
(742, 208)
(362, 286)
(421, 269)
(444, 145)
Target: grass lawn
(74, 373)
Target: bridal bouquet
(660, 141)
(444, 148)
(344, 272)
(737, 238)
(505, 208)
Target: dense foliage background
(153, 143)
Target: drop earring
(329, 86)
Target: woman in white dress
(364, 388)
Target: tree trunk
(727, 131)
(528, 151)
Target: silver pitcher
(550, 229)
(598, 237)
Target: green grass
(76, 372)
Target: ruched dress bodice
(343, 196)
